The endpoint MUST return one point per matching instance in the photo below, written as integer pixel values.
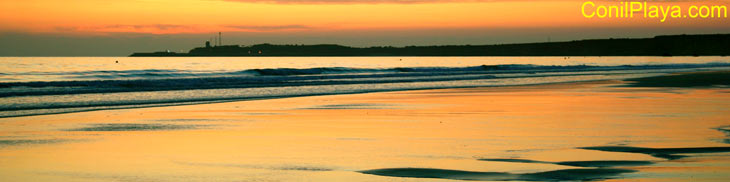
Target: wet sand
(602, 131)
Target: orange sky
(205, 16)
(119, 27)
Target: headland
(665, 45)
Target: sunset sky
(120, 27)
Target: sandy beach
(364, 91)
(603, 130)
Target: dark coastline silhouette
(666, 45)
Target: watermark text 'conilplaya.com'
(644, 9)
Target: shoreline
(172, 104)
(689, 79)
(596, 130)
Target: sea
(50, 85)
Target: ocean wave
(167, 80)
(110, 76)
(170, 87)
(177, 73)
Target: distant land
(665, 45)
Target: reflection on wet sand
(29, 142)
(573, 131)
(251, 166)
(133, 127)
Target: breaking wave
(95, 90)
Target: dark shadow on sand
(695, 79)
(726, 131)
(605, 163)
(599, 163)
(666, 153)
(134, 127)
(30, 142)
(516, 160)
(557, 175)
